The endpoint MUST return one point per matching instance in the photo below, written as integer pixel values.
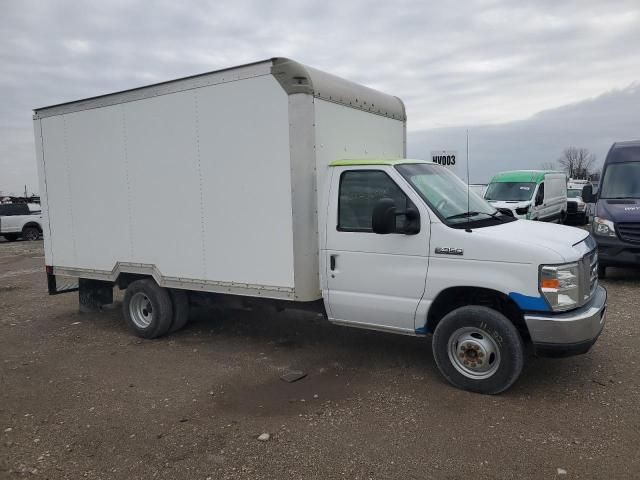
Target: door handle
(332, 262)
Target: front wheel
(478, 349)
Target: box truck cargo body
(277, 183)
(208, 182)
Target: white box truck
(277, 183)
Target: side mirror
(383, 219)
(587, 194)
(412, 222)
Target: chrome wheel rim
(474, 353)
(141, 310)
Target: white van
(530, 194)
(295, 194)
(578, 210)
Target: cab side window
(359, 192)
(13, 209)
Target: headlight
(581, 206)
(560, 285)
(603, 227)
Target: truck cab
(408, 251)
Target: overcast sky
(456, 65)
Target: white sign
(446, 158)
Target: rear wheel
(10, 237)
(147, 309)
(478, 349)
(180, 302)
(31, 233)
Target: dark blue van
(616, 223)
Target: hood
(560, 239)
(511, 205)
(623, 210)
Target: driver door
(373, 280)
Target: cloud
(470, 63)
(77, 46)
(594, 124)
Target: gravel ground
(80, 397)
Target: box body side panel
(194, 185)
(246, 192)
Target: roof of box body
(359, 162)
(294, 78)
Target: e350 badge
(449, 251)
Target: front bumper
(614, 252)
(568, 333)
(577, 214)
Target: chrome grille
(629, 232)
(588, 272)
(593, 269)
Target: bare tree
(548, 166)
(577, 162)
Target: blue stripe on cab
(527, 303)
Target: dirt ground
(80, 397)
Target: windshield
(510, 191)
(621, 180)
(574, 193)
(446, 193)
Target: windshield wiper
(467, 214)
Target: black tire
(30, 234)
(158, 316)
(180, 301)
(10, 237)
(585, 219)
(602, 271)
(500, 332)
